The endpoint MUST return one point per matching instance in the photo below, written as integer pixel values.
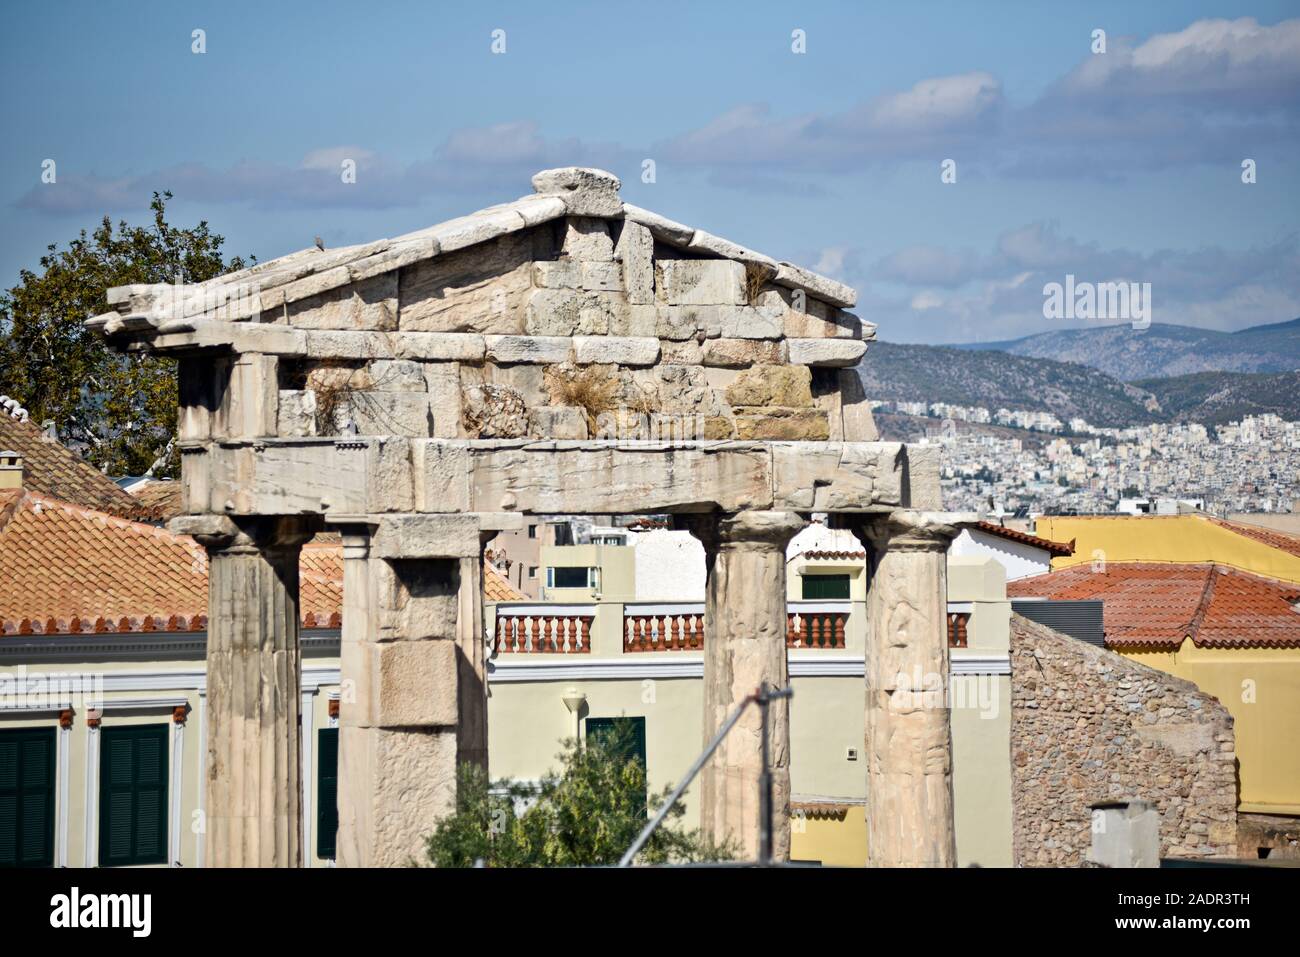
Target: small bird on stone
(320, 244)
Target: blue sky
(1122, 165)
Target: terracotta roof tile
(52, 469)
(162, 497)
(496, 588)
(72, 570)
(1055, 548)
(1154, 605)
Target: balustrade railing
(543, 630)
(677, 627)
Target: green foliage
(588, 813)
(121, 408)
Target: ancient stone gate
(564, 353)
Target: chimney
(11, 470)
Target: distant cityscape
(1248, 466)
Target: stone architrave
(908, 722)
(254, 663)
(745, 620)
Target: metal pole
(764, 788)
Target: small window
(327, 792)
(133, 796)
(27, 797)
(532, 531)
(825, 587)
(568, 578)
(532, 571)
(628, 734)
(957, 622)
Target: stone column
(744, 648)
(254, 772)
(408, 620)
(908, 728)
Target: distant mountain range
(980, 376)
(1163, 350)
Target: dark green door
(327, 791)
(133, 795)
(27, 797)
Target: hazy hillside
(995, 379)
(1213, 398)
(1163, 350)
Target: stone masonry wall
(578, 328)
(1088, 725)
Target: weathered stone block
(826, 352)
(775, 423)
(558, 274)
(384, 413)
(559, 422)
(297, 413)
(602, 277)
(772, 385)
(416, 684)
(444, 470)
(586, 192)
(440, 346)
(483, 289)
(442, 381)
(855, 409)
(416, 600)
(661, 227)
(397, 375)
(337, 344)
(838, 477)
(587, 239)
(636, 321)
(543, 349)
(747, 322)
(369, 304)
(562, 312)
(687, 352)
(417, 536)
(390, 480)
(615, 349)
(734, 353)
(698, 282)
(635, 250)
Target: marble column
(908, 727)
(744, 649)
(254, 772)
(471, 678)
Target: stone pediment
(566, 314)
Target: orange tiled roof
(832, 555)
(496, 588)
(1157, 606)
(50, 468)
(65, 569)
(163, 498)
(1266, 536)
(1054, 548)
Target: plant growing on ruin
(586, 814)
(591, 388)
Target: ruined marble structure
(563, 353)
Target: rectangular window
(957, 622)
(133, 795)
(825, 587)
(27, 797)
(532, 531)
(627, 733)
(569, 578)
(532, 571)
(327, 791)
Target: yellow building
(1211, 601)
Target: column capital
(224, 532)
(908, 530)
(751, 529)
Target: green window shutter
(27, 797)
(327, 791)
(629, 732)
(133, 795)
(825, 587)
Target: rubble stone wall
(1088, 725)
